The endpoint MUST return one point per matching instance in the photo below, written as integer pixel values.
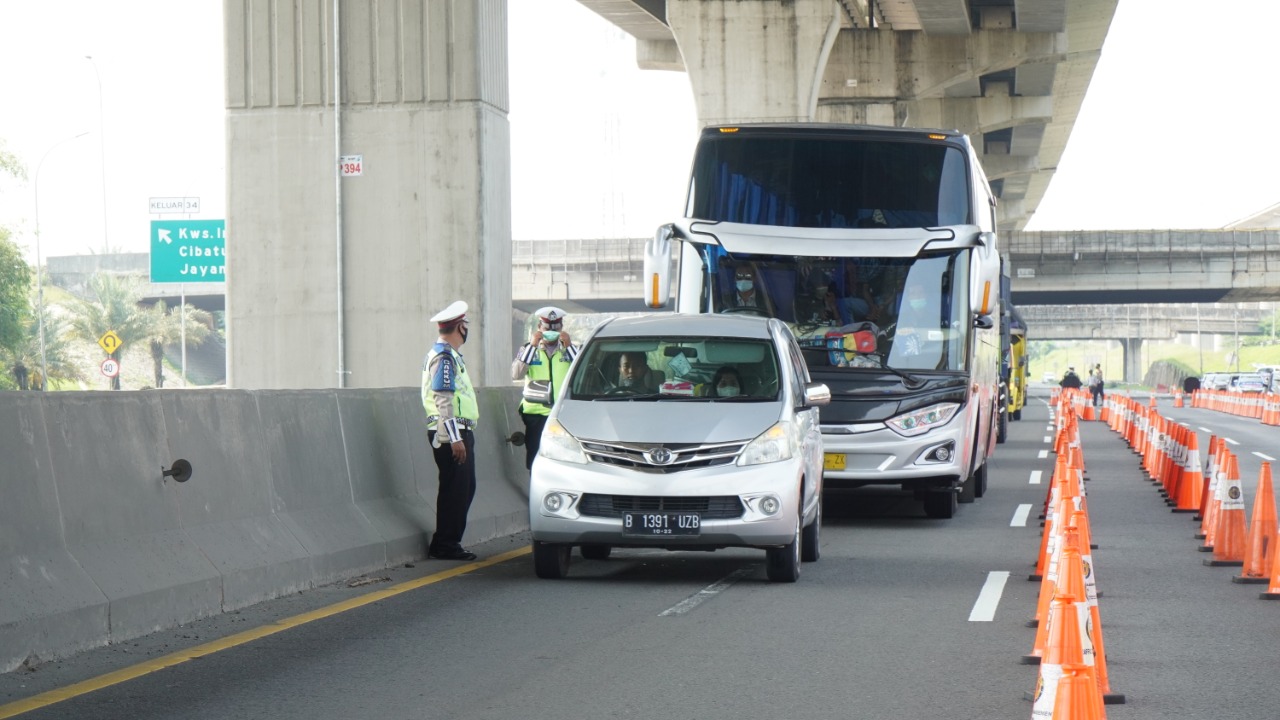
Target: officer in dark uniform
(452, 414)
(545, 358)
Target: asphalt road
(891, 622)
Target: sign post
(184, 251)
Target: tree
(15, 301)
(166, 329)
(112, 305)
(26, 364)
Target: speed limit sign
(110, 367)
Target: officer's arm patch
(443, 378)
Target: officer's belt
(464, 423)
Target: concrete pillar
(754, 61)
(1131, 349)
(424, 103)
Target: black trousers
(457, 490)
(533, 425)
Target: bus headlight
(922, 421)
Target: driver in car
(633, 373)
(747, 290)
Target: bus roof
(833, 129)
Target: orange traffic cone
(1210, 522)
(1191, 486)
(1229, 537)
(1207, 490)
(1262, 533)
(1076, 695)
(1153, 400)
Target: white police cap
(550, 314)
(452, 314)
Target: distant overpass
(1103, 267)
(1144, 266)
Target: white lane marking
(1043, 454)
(705, 593)
(1020, 516)
(1049, 429)
(1205, 429)
(1048, 439)
(1035, 477)
(1268, 458)
(984, 610)
(1229, 440)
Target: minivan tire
(550, 560)
(810, 536)
(782, 564)
(596, 551)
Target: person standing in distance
(452, 414)
(545, 358)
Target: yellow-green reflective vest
(450, 374)
(545, 369)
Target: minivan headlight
(921, 421)
(558, 444)
(776, 444)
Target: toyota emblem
(659, 456)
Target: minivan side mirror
(816, 394)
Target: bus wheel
(979, 480)
(940, 504)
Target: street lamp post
(102, 153)
(44, 364)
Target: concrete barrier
(290, 489)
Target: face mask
(745, 285)
(551, 336)
(463, 332)
(917, 303)
(728, 391)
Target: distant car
(1049, 378)
(1216, 381)
(1250, 383)
(686, 462)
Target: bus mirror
(657, 268)
(985, 268)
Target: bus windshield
(853, 312)
(814, 180)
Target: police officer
(545, 358)
(452, 414)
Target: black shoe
(451, 554)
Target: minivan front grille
(663, 458)
(715, 507)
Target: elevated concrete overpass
(323, 269)
(1009, 73)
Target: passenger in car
(726, 383)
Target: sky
(1176, 130)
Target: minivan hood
(658, 421)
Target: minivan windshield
(695, 369)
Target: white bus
(878, 247)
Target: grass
(1084, 354)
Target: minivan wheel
(782, 564)
(596, 551)
(550, 560)
(810, 536)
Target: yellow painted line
(146, 668)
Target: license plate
(833, 461)
(635, 523)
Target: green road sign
(188, 251)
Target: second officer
(546, 359)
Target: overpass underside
(1144, 266)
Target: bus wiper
(911, 382)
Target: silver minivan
(683, 432)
